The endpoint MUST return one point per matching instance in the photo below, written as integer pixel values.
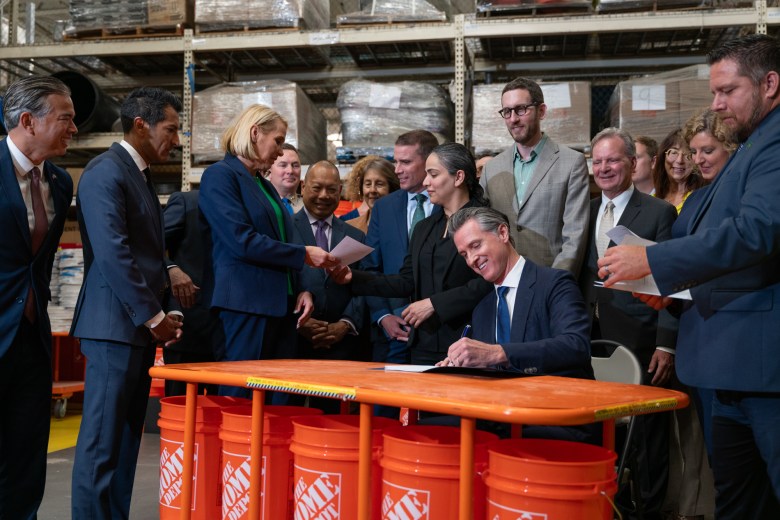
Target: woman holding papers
(252, 277)
(443, 289)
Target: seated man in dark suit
(332, 330)
(534, 322)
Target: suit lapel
(10, 185)
(523, 302)
(337, 232)
(631, 212)
(137, 180)
(710, 193)
(61, 203)
(301, 222)
(547, 157)
(400, 216)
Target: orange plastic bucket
(276, 485)
(205, 476)
(325, 475)
(421, 472)
(549, 479)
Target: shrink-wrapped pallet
(653, 5)
(398, 11)
(375, 114)
(657, 104)
(497, 6)
(214, 108)
(125, 15)
(254, 14)
(567, 119)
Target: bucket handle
(612, 503)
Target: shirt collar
(534, 152)
(137, 159)
(313, 220)
(21, 162)
(513, 278)
(621, 201)
(410, 196)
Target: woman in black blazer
(442, 288)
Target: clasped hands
(168, 331)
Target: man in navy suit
(34, 199)
(202, 336)
(729, 338)
(534, 322)
(332, 331)
(392, 220)
(119, 315)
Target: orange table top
(546, 400)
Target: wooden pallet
(228, 27)
(533, 9)
(125, 33)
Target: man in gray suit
(542, 186)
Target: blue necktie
(503, 325)
(287, 205)
(419, 211)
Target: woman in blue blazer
(252, 265)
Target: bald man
(332, 330)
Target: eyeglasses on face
(673, 153)
(519, 110)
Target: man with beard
(542, 186)
(728, 336)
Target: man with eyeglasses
(729, 338)
(542, 186)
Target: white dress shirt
(620, 202)
(411, 205)
(512, 281)
(22, 167)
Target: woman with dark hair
(675, 173)
(443, 289)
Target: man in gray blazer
(540, 185)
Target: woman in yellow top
(674, 173)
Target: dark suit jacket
(125, 277)
(332, 301)
(387, 234)
(249, 261)
(550, 332)
(462, 287)
(18, 266)
(729, 338)
(622, 317)
(184, 241)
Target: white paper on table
(623, 236)
(408, 368)
(349, 251)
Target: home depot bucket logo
(171, 469)
(507, 513)
(317, 495)
(400, 503)
(235, 485)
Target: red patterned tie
(40, 229)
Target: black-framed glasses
(674, 153)
(519, 110)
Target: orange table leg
(466, 504)
(256, 455)
(189, 450)
(608, 434)
(364, 462)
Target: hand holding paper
(349, 251)
(623, 236)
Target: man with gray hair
(34, 199)
(617, 315)
(542, 186)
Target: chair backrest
(621, 366)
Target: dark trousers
(116, 391)
(746, 455)
(25, 412)
(252, 336)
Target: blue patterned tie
(287, 205)
(419, 211)
(503, 325)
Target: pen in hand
(464, 334)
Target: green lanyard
(280, 221)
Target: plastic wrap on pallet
(255, 14)
(375, 114)
(508, 5)
(91, 15)
(567, 119)
(391, 11)
(214, 108)
(625, 5)
(657, 104)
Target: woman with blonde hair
(251, 278)
(371, 178)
